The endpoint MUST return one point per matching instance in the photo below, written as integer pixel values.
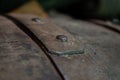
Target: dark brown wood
(101, 60)
(47, 33)
(20, 57)
(102, 47)
(108, 25)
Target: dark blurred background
(76, 8)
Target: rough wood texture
(101, 60)
(108, 25)
(102, 47)
(47, 32)
(20, 57)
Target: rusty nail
(36, 19)
(62, 38)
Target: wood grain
(20, 57)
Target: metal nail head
(36, 19)
(62, 38)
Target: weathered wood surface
(108, 24)
(20, 57)
(102, 47)
(101, 60)
(47, 33)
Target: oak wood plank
(20, 57)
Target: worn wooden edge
(20, 57)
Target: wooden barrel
(28, 48)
